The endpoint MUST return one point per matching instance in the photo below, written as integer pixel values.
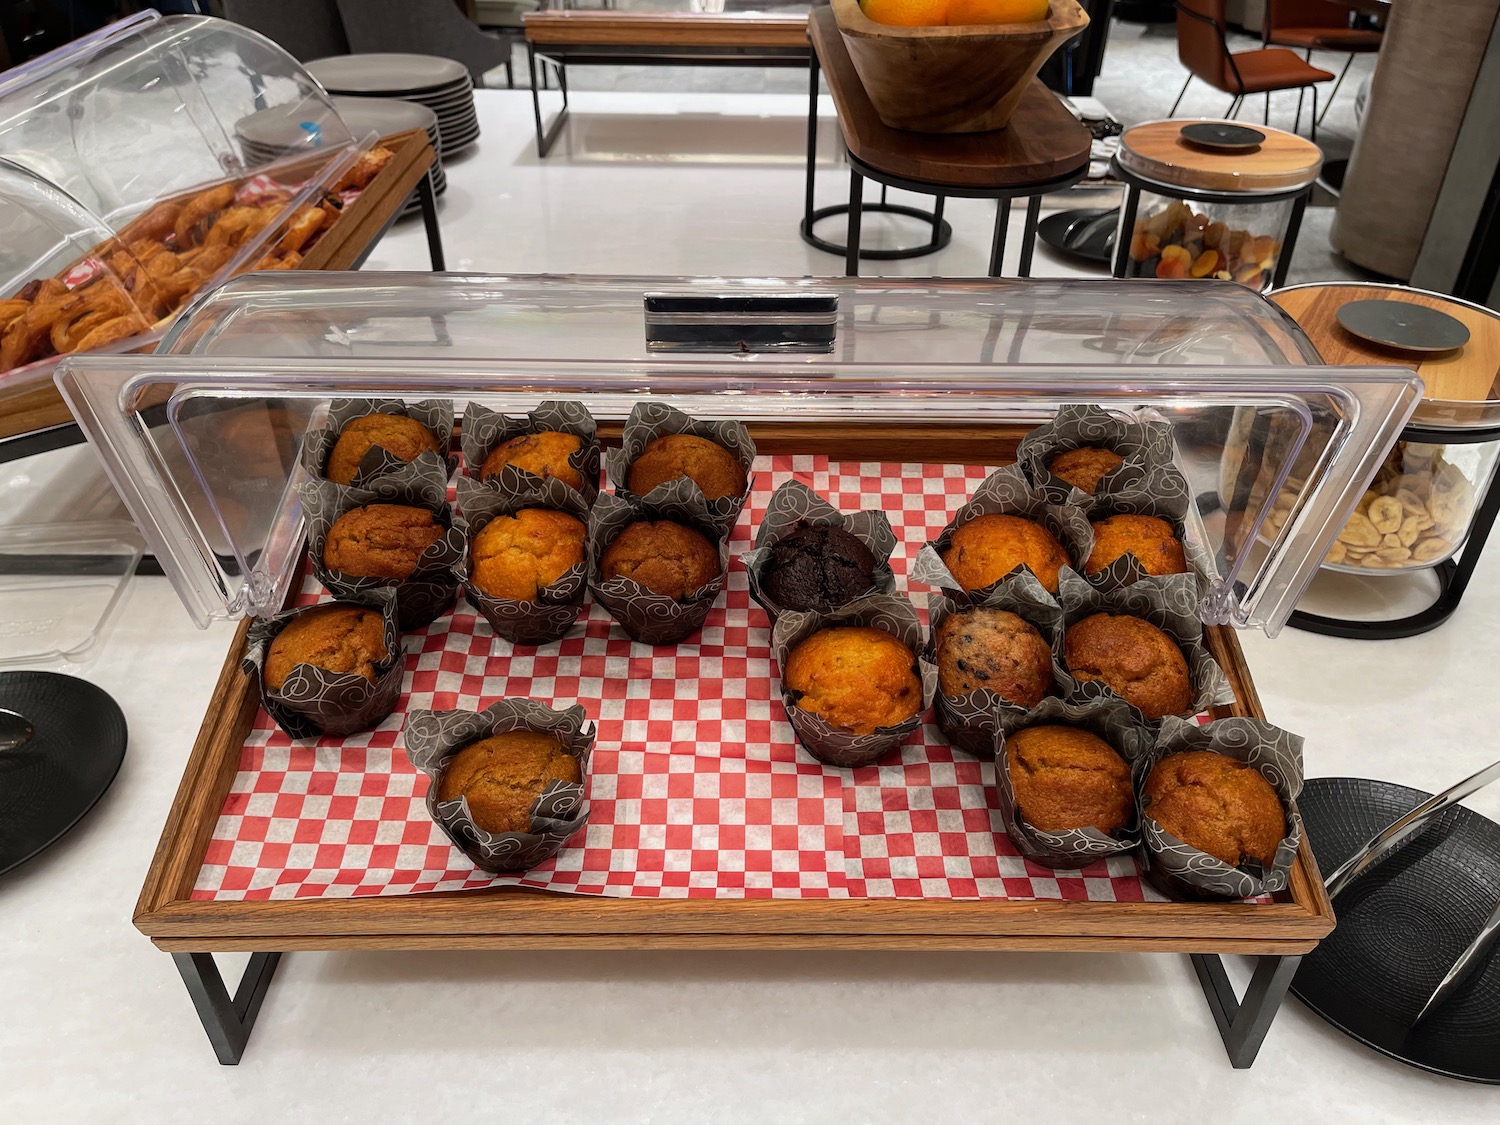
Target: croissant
(198, 210)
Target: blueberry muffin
(993, 649)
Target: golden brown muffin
(401, 436)
(1134, 659)
(1066, 778)
(985, 550)
(995, 650)
(666, 558)
(516, 556)
(1085, 466)
(1147, 538)
(380, 540)
(337, 638)
(502, 777)
(712, 467)
(856, 678)
(543, 454)
(1218, 805)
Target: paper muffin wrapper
(793, 504)
(651, 420)
(313, 701)
(435, 414)
(1005, 492)
(1180, 870)
(1171, 604)
(825, 742)
(1076, 847)
(652, 619)
(1143, 445)
(431, 738)
(1161, 491)
(971, 721)
(484, 429)
(557, 606)
(431, 589)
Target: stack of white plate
(442, 85)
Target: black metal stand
(227, 1021)
(546, 137)
(1243, 1023)
(427, 197)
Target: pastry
(711, 467)
(1066, 778)
(380, 540)
(348, 639)
(995, 650)
(856, 678)
(400, 436)
(544, 454)
(1085, 466)
(517, 556)
(502, 777)
(817, 567)
(987, 548)
(1134, 659)
(1216, 804)
(664, 557)
(1149, 539)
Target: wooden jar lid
(1157, 151)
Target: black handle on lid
(766, 322)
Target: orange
(996, 11)
(907, 13)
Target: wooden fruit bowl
(952, 79)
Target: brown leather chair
(1203, 49)
(1321, 25)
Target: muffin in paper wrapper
(1143, 445)
(431, 589)
(1162, 491)
(1005, 492)
(1180, 870)
(825, 742)
(435, 414)
(1111, 721)
(651, 420)
(484, 429)
(557, 606)
(314, 701)
(433, 737)
(794, 504)
(652, 619)
(971, 721)
(1169, 603)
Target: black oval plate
(1221, 136)
(1399, 324)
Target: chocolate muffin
(544, 454)
(992, 649)
(1066, 778)
(1216, 804)
(348, 639)
(517, 556)
(712, 467)
(399, 435)
(1147, 538)
(1134, 659)
(1085, 466)
(856, 678)
(817, 567)
(503, 776)
(665, 557)
(380, 540)
(986, 549)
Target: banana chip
(1429, 549)
(1385, 513)
(1360, 532)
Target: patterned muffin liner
(793, 504)
(484, 429)
(431, 589)
(313, 701)
(435, 414)
(557, 606)
(652, 619)
(1181, 871)
(1143, 445)
(651, 420)
(1162, 491)
(1110, 720)
(431, 738)
(825, 742)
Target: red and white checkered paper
(696, 787)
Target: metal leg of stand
(1243, 1023)
(997, 244)
(937, 222)
(227, 1021)
(812, 142)
(856, 206)
(545, 137)
(1028, 235)
(428, 199)
(1122, 243)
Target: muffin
(993, 649)
(399, 435)
(711, 467)
(1066, 778)
(1134, 659)
(817, 568)
(503, 776)
(986, 549)
(666, 558)
(856, 678)
(1216, 804)
(347, 639)
(516, 556)
(543, 454)
(1147, 538)
(1085, 466)
(380, 540)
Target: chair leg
(1234, 107)
(1266, 117)
(1335, 92)
(1180, 92)
(1312, 122)
(1297, 124)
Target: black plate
(1399, 324)
(50, 782)
(1085, 235)
(1220, 136)
(1402, 925)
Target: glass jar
(1182, 238)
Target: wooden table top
(1043, 141)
